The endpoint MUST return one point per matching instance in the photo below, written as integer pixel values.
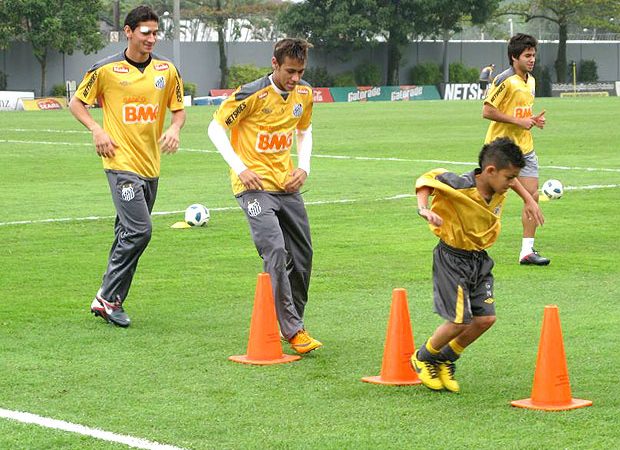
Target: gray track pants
(281, 233)
(133, 198)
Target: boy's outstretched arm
(423, 193)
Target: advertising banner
(10, 99)
(618, 88)
(45, 104)
(322, 95)
(405, 93)
(461, 91)
(600, 89)
(220, 92)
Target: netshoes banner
(44, 104)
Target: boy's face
(142, 39)
(287, 75)
(526, 60)
(499, 181)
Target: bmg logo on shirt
(274, 142)
(523, 112)
(137, 113)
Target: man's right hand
(104, 144)
(251, 180)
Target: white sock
(526, 247)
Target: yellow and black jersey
(513, 96)
(134, 102)
(262, 125)
(469, 222)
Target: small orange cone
(551, 390)
(264, 345)
(396, 368)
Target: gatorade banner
(44, 104)
(322, 95)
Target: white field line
(86, 431)
(231, 208)
(340, 157)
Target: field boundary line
(338, 157)
(81, 429)
(308, 203)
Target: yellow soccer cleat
(427, 372)
(446, 375)
(302, 342)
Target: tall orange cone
(551, 390)
(396, 368)
(264, 345)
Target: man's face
(526, 60)
(501, 180)
(287, 75)
(142, 39)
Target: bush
(588, 72)
(3, 82)
(345, 79)
(245, 73)
(318, 77)
(425, 74)
(459, 73)
(189, 89)
(542, 75)
(58, 90)
(368, 74)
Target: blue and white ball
(553, 189)
(197, 215)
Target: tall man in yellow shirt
(509, 105)
(264, 117)
(134, 88)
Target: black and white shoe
(534, 259)
(110, 312)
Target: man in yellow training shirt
(134, 88)
(509, 106)
(264, 118)
(465, 215)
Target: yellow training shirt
(469, 222)
(262, 127)
(513, 96)
(134, 108)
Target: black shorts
(462, 283)
(483, 84)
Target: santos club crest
(254, 208)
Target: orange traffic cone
(396, 368)
(264, 345)
(551, 390)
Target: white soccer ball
(197, 215)
(552, 189)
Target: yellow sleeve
(498, 93)
(88, 90)
(429, 179)
(232, 111)
(175, 91)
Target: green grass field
(167, 378)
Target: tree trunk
(393, 61)
(221, 43)
(560, 62)
(43, 63)
(446, 66)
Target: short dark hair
(518, 44)
(142, 13)
(501, 153)
(293, 48)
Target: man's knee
(140, 237)
(485, 322)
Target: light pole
(511, 29)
